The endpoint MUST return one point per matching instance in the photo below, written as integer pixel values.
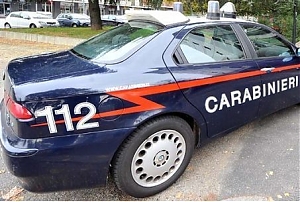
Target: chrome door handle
(267, 69)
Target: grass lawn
(76, 32)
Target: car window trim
(249, 43)
(245, 41)
(236, 32)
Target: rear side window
(266, 43)
(116, 43)
(15, 15)
(211, 44)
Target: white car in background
(113, 19)
(27, 19)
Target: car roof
(172, 18)
(162, 17)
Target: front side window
(25, 16)
(265, 42)
(114, 44)
(211, 44)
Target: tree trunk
(94, 10)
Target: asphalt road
(259, 161)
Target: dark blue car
(136, 100)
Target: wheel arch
(6, 23)
(32, 25)
(122, 151)
(189, 119)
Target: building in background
(4, 7)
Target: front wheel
(154, 156)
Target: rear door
(60, 19)
(14, 19)
(280, 66)
(217, 75)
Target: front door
(277, 59)
(24, 21)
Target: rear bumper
(60, 163)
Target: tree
(153, 4)
(95, 13)
(156, 4)
(94, 10)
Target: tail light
(17, 110)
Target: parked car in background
(73, 20)
(114, 20)
(27, 19)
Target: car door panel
(280, 83)
(226, 100)
(224, 87)
(24, 21)
(280, 65)
(13, 20)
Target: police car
(135, 101)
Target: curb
(41, 38)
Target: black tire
(7, 25)
(167, 143)
(32, 26)
(74, 25)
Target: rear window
(116, 43)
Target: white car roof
(162, 17)
(204, 19)
(171, 17)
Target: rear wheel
(154, 156)
(7, 25)
(32, 26)
(74, 25)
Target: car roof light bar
(228, 10)
(213, 10)
(162, 17)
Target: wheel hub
(158, 158)
(161, 158)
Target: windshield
(115, 43)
